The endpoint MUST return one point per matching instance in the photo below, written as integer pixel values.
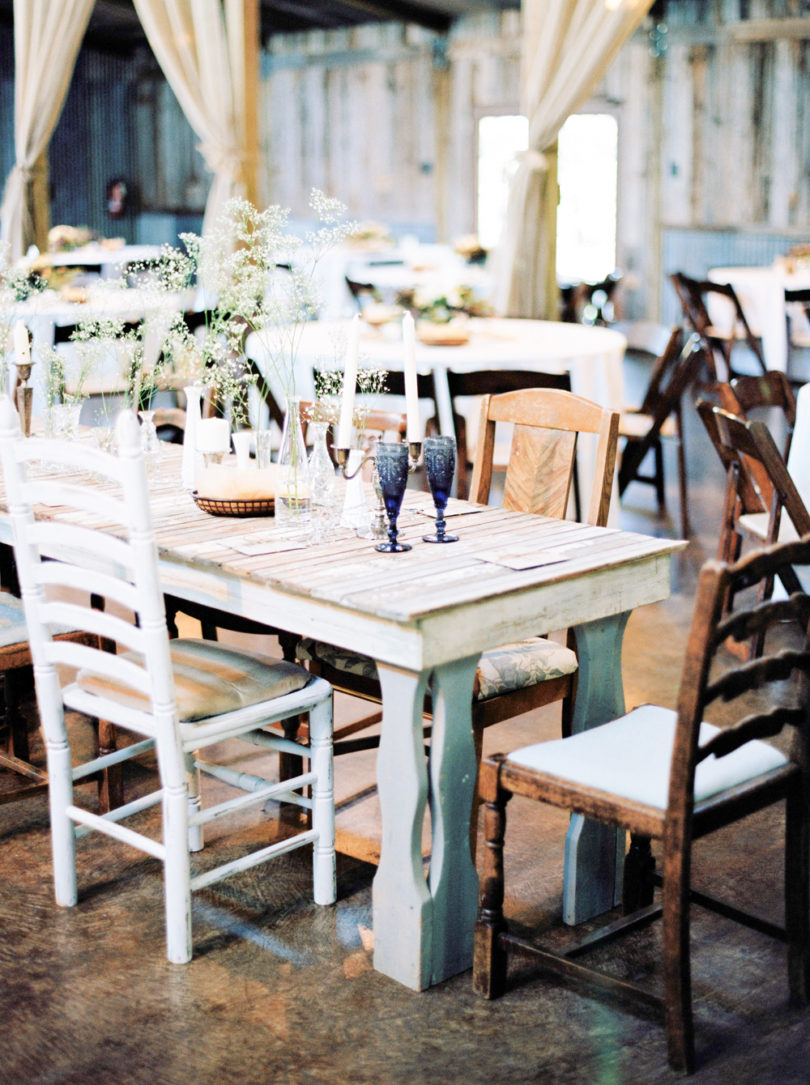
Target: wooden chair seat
(670, 776)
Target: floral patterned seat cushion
(510, 667)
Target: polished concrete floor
(283, 992)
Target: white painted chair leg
(63, 839)
(195, 832)
(323, 804)
(177, 876)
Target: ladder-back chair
(176, 697)
(668, 775)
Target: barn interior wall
(712, 104)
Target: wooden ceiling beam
(352, 12)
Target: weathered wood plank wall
(714, 133)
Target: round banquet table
(591, 355)
(761, 291)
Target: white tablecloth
(761, 291)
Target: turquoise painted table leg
(594, 853)
(402, 905)
(453, 771)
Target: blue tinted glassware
(392, 471)
(440, 466)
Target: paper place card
(513, 559)
(455, 507)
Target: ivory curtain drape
(203, 48)
(47, 38)
(566, 49)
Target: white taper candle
(344, 436)
(22, 345)
(411, 388)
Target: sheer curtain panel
(47, 38)
(567, 47)
(209, 53)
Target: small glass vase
(323, 485)
(150, 442)
(63, 420)
(293, 495)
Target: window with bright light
(586, 218)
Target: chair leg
(323, 804)
(797, 892)
(177, 874)
(677, 968)
(489, 959)
(15, 720)
(111, 780)
(660, 490)
(686, 527)
(193, 802)
(639, 875)
(291, 765)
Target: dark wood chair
(752, 395)
(590, 303)
(758, 490)
(660, 416)
(668, 776)
(798, 337)
(492, 382)
(694, 295)
(529, 674)
(15, 670)
(363, 293)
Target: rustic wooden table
(426, 615)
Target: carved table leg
(402, 906)
(594, 853)
(453, 772)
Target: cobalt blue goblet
(392, 471)
(440, 465)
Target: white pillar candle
(213, 435)
(22, 345)
(344, 437)
(411, 388)
(242, 442)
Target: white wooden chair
(178, 696)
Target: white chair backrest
(105, 550)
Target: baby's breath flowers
(329, 389)
(255, 276)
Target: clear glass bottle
(322, 483)
(293, 497)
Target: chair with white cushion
(177, 697)
(668, 775)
